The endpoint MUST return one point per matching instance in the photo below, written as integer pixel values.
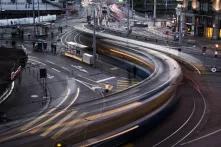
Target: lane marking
(51, 62)
(34, 96)
(49, 76)
(55, 116)
(23, 128)
(59, 124)
(67, 126)
(56, 69)
(114, 68)
(79, 68)
(65, 68)
(106, 79)
(38, 62)
(47, 113)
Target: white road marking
(106, 79)
(65, 68)
(67, 127)
(46, 114)
(51, 62)
(79, 68)
(59, 124)
(57, 115)
(114, 68)
(50, 76)
(37, 62)
(34, 96)
(56, 69)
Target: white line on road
(50, 62)
(106, 79)
(56, 69)
(56, 115)
(59, 124)
(65, 68)
(37, 62)
(79, 68)
(50, 76)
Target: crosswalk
(125, 83)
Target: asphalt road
(194, 122)
(44, 126)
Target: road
(204, 130)
(194, 121)
(47, 124)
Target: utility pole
(33, 10)
(128, 17)
(145, 7)
(38, 12)
(181, 27)
(66, 13)
(154, 11)
(1, 5)
(132, 9)
(94, 39)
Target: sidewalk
(27, 98)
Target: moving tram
(79, 52)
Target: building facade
(25, 8)
(163, 6)
(203, 18)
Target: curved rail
(140, 101)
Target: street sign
(213, 69)
(43, 73)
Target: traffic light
(43, 73)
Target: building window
(189, 5)
(220, 33)
(209, 32)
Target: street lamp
(217, 46)
(94, 34)
(180, 20)
(154, 11)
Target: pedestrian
(33, 44)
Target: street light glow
(216, 5)
(120, 1)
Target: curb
(7, 93)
